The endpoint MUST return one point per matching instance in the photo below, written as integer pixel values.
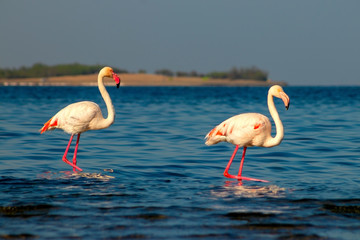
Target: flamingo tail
(48, 125)
(218, 134)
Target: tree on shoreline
(40, 70)
(241, 73)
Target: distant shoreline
(135, 80)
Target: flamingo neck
(274, 141)
(110, 107)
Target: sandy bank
(133, 80)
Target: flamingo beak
(117, 80)
(285, 99)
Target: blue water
(150, 175)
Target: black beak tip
(118, 85)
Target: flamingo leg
(226, 172)
(239, 177)
(75, 151)
(66, 152)
(242, 161)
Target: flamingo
(250, 129)
(82, 116)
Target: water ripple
(150, 175)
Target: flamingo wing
(243, 130)
(74, 118)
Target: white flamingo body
(78, 118)
(247, 129)
(82, 116)
(250, 129)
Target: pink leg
(242, 161)
(66, 152)
(75, 151)
(239, 177)
(226, 172)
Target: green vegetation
(40, 70)
(165, 72)
(253, 73)
(241, 73)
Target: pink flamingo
(80, 117)
(250, 129)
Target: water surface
(150, 175)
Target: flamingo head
(277, 91)
(109, 72)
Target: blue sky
(307, 42)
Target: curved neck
(110, 108)
(278, 124)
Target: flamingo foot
(252, 179)
(244, 178)
(71, 164)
